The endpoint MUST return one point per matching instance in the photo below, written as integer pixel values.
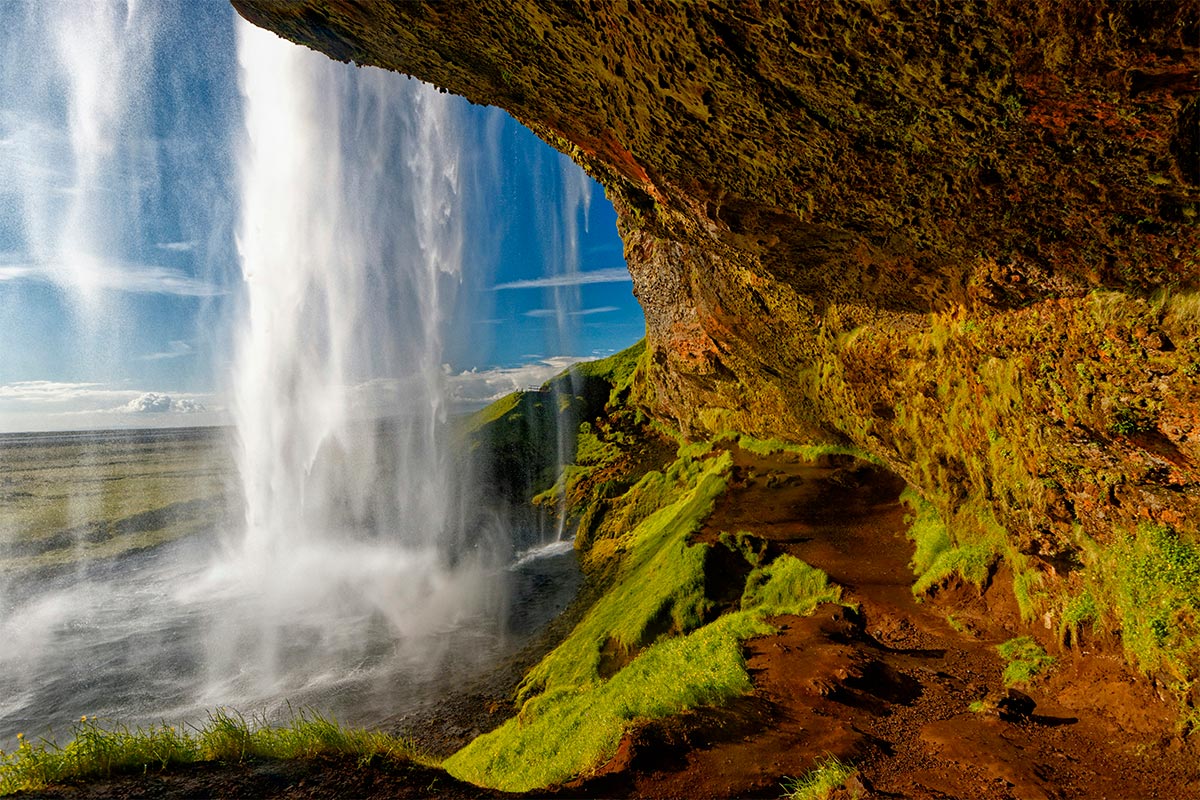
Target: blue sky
(120, 282)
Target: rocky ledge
(962, 236)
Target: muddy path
(887, 686)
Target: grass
(809, 452)
(1025, 658)
(571, 729)
(99, 751)
(523, 440)
(660, 579)
(936, 556)
(649, 646)
(788, 586)
(1146, 584)
(819, 782)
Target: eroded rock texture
(962, 235)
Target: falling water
(576, 204)
(356, 566)
(351, 241)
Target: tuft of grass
(1025, 658)
(820, 782)
(788, 586)
(936, 557)
(99, 750)
(926, 530)
(1080, 609)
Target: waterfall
(351, 244)
(333, 235)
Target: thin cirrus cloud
(40, 392)
(177, 247)
(609, 275)
(175, 349)
(113, 276)
(583, 312)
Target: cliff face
(960, 235)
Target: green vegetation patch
(788, 586)
(1147, 585)
(659, 586)
(809, 452)
(566, 732)
(99, 751)
(1025, 658)
(571, 729)
(937, 557)
(643, 650)
(820, 782)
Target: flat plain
(71, 498)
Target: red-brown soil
(885, 685)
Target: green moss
(563, 733)
(516, 440)
(809, 452)
(1149, 584)
(1025, 658)
(646, 647)
(1078, 610)
(1027, 588)
(927, 531)
(573, 728)
(660, 581)
(788, 586)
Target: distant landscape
(89, 496)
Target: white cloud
(478, 387)
(117, 276)
(175, 349)
(177, 247)
(55, 405)
(38, 392)
(155, 403)
(610, 275)
(583, 312)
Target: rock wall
(959, 234)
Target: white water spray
(358, 569)
(351, 242)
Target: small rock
(1015, 706)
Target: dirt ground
(885, 686)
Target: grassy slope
(655, 642)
